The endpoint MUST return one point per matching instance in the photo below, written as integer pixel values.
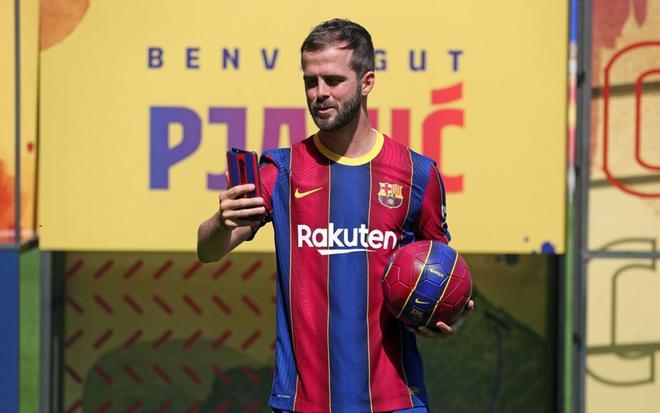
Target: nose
(322, 90)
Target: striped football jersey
(337, 221)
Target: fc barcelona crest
(390, 195)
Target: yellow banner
(140, 101)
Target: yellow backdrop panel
(140, 101)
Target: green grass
(29, 286)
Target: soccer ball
(426, 282)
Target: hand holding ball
(426, 282)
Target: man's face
(332, 87)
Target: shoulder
(278, 157)
(392, 148)
(281, 157)
(420, 161)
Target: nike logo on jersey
(299, 194)
(418, 301)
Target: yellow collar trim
(345, 160)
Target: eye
(310, 82)
(334, 80)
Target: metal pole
(566, 300)
(582, 201)
(52, 332)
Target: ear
(367, 83)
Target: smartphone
(243, 168)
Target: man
(339, 202)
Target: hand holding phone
(240, 207)
(243, 168)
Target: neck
(353, 140)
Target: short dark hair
(350, 36)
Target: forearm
(213, 239)
(231, 224)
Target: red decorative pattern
(250, 271)
(103, 374)
(250, 340)
(134, 268)
(100, 303)
(638, 119)
(192, 339)
(72, 340)
(99, 342)
(162, 339)
(224, 307)
(74, 269)
(192, 270)
(103, 304)
(74, 374)
(73, 303)
(132, 374)
(160, 271)
(219, 373)
(609, 173)
(162, 304)
(251, 305)
(134, 305)
(191, 373)
(192, 304)
(132, 339)
(218, 273)
(75, 406)
(104, 268)
(162, 374)
(221, 339)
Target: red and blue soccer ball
(426, 282)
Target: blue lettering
(234, 118)
(381, 59)
(455, 54)
(227, 56)
(192, 58)
(162, 157)
(413, 65)
(270, 64)
(154, 58)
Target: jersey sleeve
(268, 174)
(432, 219)
(267, 178)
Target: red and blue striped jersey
(337, 222)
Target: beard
(345, 114)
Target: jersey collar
(345, 160)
